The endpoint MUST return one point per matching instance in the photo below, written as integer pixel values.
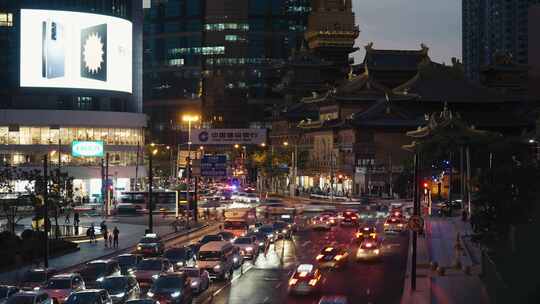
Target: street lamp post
(150, 190)
(189, 119)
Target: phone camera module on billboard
(94, 52)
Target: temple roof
(385, 113)
(394, 59)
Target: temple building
(352, 134)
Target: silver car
(199, 279)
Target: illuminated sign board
(62, 49)
(87, 149)
(228, 136)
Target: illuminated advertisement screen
(61, 49)
(87, 148)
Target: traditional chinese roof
(394, 59)
(387, 114)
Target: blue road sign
(214, 166)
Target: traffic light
(426, 187)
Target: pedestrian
(464, 215)
(67, 221)
(116, 232)
(104, 232)
(110, 236)
(92, 233)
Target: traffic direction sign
(416, 223)
(214, 166)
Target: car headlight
(194, 283)
(270, 235)
(284, 231)
(37, 288)
(249, 248)
(181, 263)
(139, 248)
(66, 298)
(150, 294)
(100, 279)
(120, 295)
(175, 294)
(217, 267)
(376, 251)
(235, 259)
(155, 276)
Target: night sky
(404, 24)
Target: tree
(272, 166)
(404, 181)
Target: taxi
(369, 250)
(394, 225)
(365, 232)
(332, 257)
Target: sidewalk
(130, 234)
(455, 286)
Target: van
(217, 258)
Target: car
(35, 278)
(349, 218)
(128, 262)
(333, 300)
(181, 256)
(394, 225)
(252, 198)
(306, 279)
(121, 288)
(142, 301)
(227, 236)
(260, 239)
(149, 269)
(282, 229)
(150, 245)
(210, 238)
(249, 247)
(7, 291)
(365, 232)
(238, 259)
(194, 247)
(268, 230)
(97, 270)
(171, 288)
(368, 250)
(332, 217)
(320, 223)
(218, 259)
(30, 297)
(332, 257)
(290, 220)
(199, 279)
(61, 286)
(90, 296)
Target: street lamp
(189, 118)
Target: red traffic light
(425, 185)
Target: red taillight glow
(320, 256)
(354, 218)
(312, 282)
(368, 245)
(293, 281)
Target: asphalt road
(266, 280)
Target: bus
(137, 201)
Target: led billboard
(87, 148)
(61, 49)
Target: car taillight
(368, 245)
(293, 281)
(312, 282)
(338, 257)
(386, 224)
(400, 225)
(376, 251)
(320, 256)
(358, 234)
(354, 217)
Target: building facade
(213, 56)
(491, 26)
(76, 76)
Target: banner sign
(214, 166)
(87, 148)
(228, 136)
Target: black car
(142, 301)
(121, 288)
(150, 245)
(35, 278)
(227, 236)
(89, 296)
(210, 238)
(181, 256)
(96, 271)
(171, 288)
(7, 291)
(30, 297)
(261, 239)
(128, 262)
(282, 229)
(195, 247)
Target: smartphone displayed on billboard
(53, 61)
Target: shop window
(6, 19)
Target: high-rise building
(215, 54)
(72, 71)
(494, 26)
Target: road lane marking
(278, 285)
(266, 300)
(306, 243)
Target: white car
(249, 248)
(252, 198)
(199, 279)
(321, 222)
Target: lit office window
(6, 19)
(176, 62)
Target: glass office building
(215, 56)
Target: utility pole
(150, 185)
(137, 169)
(416, 210)
(46, 210)
(107, 190)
